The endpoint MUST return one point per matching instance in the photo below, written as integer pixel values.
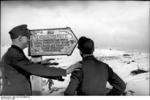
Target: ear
(20, 38)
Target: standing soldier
(91, 79)
(17, 68)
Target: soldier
(17, 68)
(91, 79)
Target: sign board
(48, 42)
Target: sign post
(36, 81)
(50, 42)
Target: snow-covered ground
(122, 62)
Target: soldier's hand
(47, 62)
(73, 67)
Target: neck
(87, 55)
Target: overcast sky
(111, 24)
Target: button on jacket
(16, 70)
(91, 79)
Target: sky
(120, 25)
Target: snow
(107, 52)
(122, 62)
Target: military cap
(86, 45)
(19, 30)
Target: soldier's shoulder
(12, 52)
(102, 63)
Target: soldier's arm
(118, 84)
(20, 62)
(75, 81)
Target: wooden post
(36, 81)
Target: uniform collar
(88, 57)
(16, 47)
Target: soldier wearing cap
(91, 79)
(17, 68)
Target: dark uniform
(16, 67)
(91, 79)
(16, 71)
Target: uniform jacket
(91, 79)
(16, 70)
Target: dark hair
(86, 45)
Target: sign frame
(29, 52)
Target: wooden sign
(48, 42)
